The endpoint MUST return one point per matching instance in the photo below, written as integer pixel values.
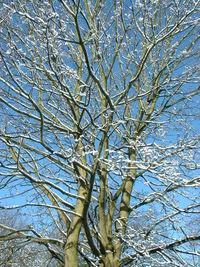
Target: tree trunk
(109, 260)
(71, 255)
(71, 247)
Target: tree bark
(71, 247)
(109, 260)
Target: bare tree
(99, 128)
(18, 251)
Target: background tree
(18, 251)
(99, 128)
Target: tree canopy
(99, 130)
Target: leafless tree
(18, 251)
(99, 128)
